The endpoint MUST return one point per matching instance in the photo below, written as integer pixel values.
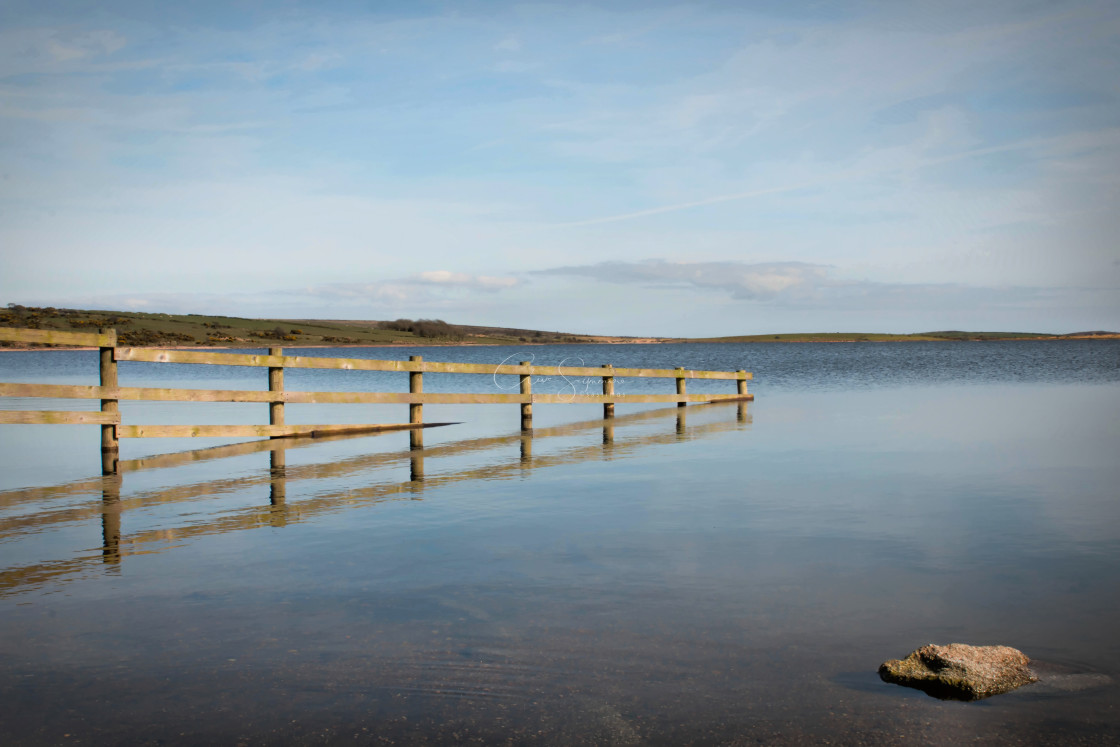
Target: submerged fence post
(108, 370)
(608, 390)
(527, 407)
(415, 409)
(276, 408)
(416, 386)
(742, 382)
(680, 384)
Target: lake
(714, 574)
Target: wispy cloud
(449, 279)
(742, 281)
(413, 295)
(800, 285)
(422, 289)
(845, 175)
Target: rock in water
(959, 671)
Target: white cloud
(742, 281)
(802, 285)
(463, 280)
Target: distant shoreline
(612, 341)
(210, 332)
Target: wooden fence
(110, 393)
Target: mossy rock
(959, 671)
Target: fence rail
(110, 393)
(414, 366)
(65, 391)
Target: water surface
(709, 574)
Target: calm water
(712, 574)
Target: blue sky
(645, 168)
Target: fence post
(415, 409)
(742, 382)
(276, 408)
(108, 370)
(416, 386)
(680, 384)
(608, 390)
(526, 407)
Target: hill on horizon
(140, 329)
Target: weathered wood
(276, 386)
(56, 337)
(208, 453)
(527, 391)
(416, 409)
(66, 391)
(608, 390)
(58, 417)
(415, 386)
(110, 393)
(257, 431)
(729, 398)
(108, 372)
(555, 399)
(360, 364)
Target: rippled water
(709, 574)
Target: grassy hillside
(145, 329)
(928, 336)
(165, 330)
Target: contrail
(839, 176)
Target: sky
(630, 168)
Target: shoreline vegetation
(144, 329)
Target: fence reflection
(59, 507)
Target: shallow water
(709, 574)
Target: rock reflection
(38, 510)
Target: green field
(146, 329)
(162, 330)
(920, 336)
